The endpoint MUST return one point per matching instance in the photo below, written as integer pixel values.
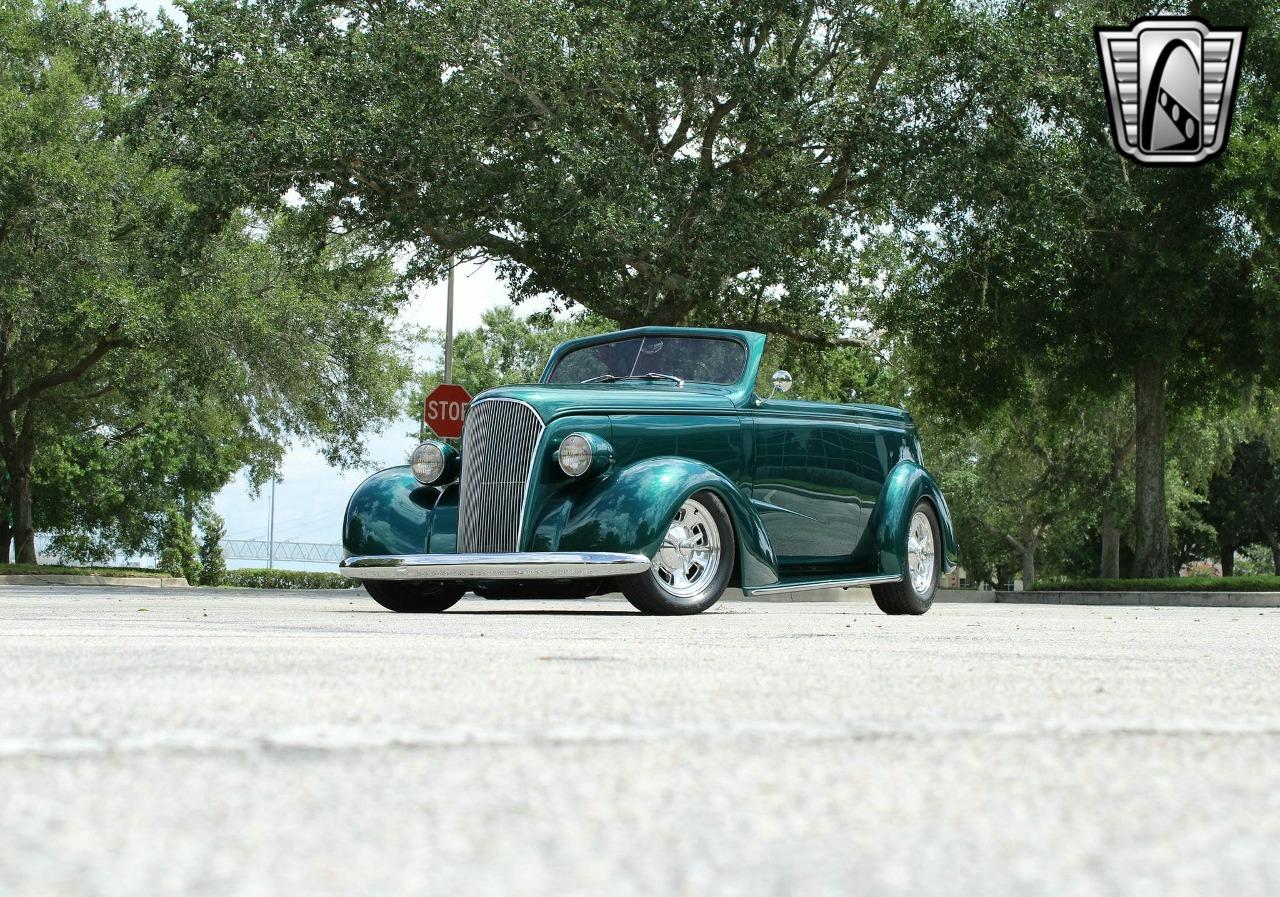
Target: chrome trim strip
(760, 503)
(515, 565)
(874, 579)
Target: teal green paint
(389, 513)
(817, 491)
(443, 538)
(908, 484)
(630, 512)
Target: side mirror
(781, 383)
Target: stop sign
(444, 409)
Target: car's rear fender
(906, 485)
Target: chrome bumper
(514, 565)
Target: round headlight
(428, 462)
(575, 455)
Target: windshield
(698, 359)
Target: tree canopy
(142, 337)
(1062, 259)
(652, 162)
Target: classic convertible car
(645, 461)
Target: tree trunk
(24, 531)
(1227, 554)
(19, 460)
(1110, 532)
(6, 535)
(1151, 526)
(1026, 549)
(1274, 541)
(1028, 568)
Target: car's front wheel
(415, 597)
(913, 594)
(694, 563)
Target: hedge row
(1173, 584)
(59, 570)
(285, 579)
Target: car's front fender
(629, 510)
(907, 484)
(391, 513)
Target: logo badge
(1170, 86)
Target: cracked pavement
(257, 743)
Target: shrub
(213, 566)
(178, 548)
(286, 579)
(64, 569)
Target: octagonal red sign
(444, 409)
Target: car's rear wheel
(694, 563)
(913, 594)
(415, 597)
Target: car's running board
(808, 584)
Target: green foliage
(1019, 483)
(836, 374)
(1255, 560)
(178, 547)
(286, 579)
(504, 349)
(711, 162)
(213, 566)
(1244, 501)
(1056, 260)
(155, 337)
(1170, 584)
(62, 569)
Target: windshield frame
(566, 350)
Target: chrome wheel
(690, 554)
(920, 553)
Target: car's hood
(557, 399)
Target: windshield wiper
(652, 375)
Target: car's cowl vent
(498, 445)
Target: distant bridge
(260, 550)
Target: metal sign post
(448, 325)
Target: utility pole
(448, 325)
(271, 524)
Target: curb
(1115, 599)
(74, 579)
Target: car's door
(815, 482)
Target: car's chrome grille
(498, 443)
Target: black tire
(415, 597)
(903, 597)
(650, 594)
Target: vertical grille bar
(498, 445)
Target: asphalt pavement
(157, 742)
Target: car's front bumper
(480, 567)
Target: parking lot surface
(238, 743)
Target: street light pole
(271, 524)
(448, 325)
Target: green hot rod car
(645, 461)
